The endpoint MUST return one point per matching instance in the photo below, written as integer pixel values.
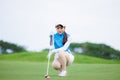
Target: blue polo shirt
(58, 39)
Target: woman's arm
(66, 45)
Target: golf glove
(53, 51)
(56, 50)
(51, 47)
(49, 54)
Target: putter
(51, 44)
(47, 76)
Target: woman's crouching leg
(56, 65)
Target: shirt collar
(60, 34)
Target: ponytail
(64, 38)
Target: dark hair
(60, 25)
(65, 34)
(65, 38)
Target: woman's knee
(56, 65)
(61, 53)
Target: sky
(29, 22)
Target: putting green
(13, 70)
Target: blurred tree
(7, 47)
(97, 50)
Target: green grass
(17, 70)
(32, 66)
(41, 57)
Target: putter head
(47, 77)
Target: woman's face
(60, 30)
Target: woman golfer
(63, 56)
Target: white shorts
(71, 57)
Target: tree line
(7, 47)
(96, 50)
(87, 48)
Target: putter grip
(51, 40)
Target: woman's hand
(49, 54)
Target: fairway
(13, 70)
